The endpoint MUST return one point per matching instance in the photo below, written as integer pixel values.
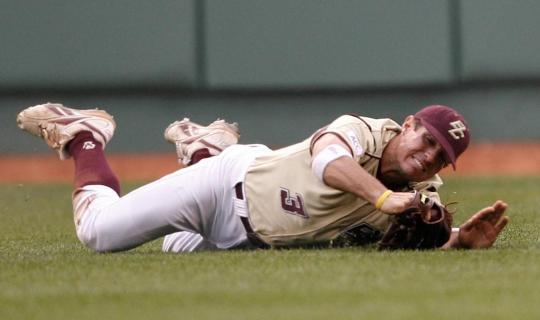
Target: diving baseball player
(356, 173)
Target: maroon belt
(253, 238)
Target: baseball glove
(425, 225)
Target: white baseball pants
(199, 199)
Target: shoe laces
(50, 133)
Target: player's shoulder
(372, 124)
(369, 133)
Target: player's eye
(442, 160)
(429, 140)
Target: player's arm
(481, 230)
(332, 160)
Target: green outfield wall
(281, 68)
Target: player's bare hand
(397, 202)
(483, 228)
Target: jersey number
(292, 204)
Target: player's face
(419, 155)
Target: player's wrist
(382, 198)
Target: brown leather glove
(425, 225)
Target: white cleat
(58, 125)
(190, 137)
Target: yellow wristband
(382, 198)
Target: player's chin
(415, 173)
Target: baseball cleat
(58, 125)
(190, 137)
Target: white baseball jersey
(289, 205)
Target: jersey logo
(293, 204)
(358, 150)
(458, 130)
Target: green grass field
(45, 273)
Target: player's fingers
(501, 224)
(501, 203)
(397, 202)
(469, 224)
(477, 217)
(493, 213)
(499, 208)
(407, 198)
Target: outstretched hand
(482, 229)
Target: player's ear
(408, 123)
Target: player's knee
(91, 242)
(100, 241)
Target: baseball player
(355, 174)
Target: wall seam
(456, 45)
(200, 44)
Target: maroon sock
(199, 155)
(91, 167)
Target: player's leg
(184, 200)
(81, 134)
(200, 199)
(190, 199)
(193, 143)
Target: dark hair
(417, 123)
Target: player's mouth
(420, 164)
